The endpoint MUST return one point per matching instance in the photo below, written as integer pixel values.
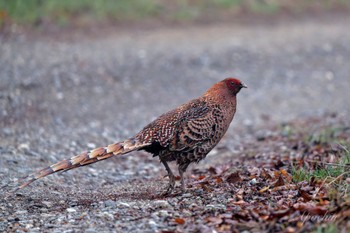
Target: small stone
(162, 204)
(186, 213)
(29, 225)
(199, 191)
(20, 212)
(48, 204)
(215, 207)
(110, 203)
(193, 206)
(209, 207)
(91, 145)
(71, 210)
(253, 181)
(163, 213)
(187, 195)
(108, 215)
(7, 131)
(90, 230)
(23, 146)
(122, 205)
(152, 224)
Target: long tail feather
(84, 159)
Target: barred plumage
(185, 135)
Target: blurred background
(100, 70)
(82, 13)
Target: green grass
(327, 171)
(33, 11)
(63, 12)
(326, 135)
(329, 228)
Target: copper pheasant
(185, 134)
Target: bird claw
(170, 187)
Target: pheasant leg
(171, 176)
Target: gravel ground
(62, 96)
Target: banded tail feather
(83, 159)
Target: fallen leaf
(279, 213)
(284, 173)
(212, 170)
(224, 227)
(219, 180)
(279, 182)
(276, 173)
(310, 208)
(345, 213)
(240, 202)
(300, 224)
(214, 220)
(233, 178)
(290, 230)
(264, 189)
(305, 195)
(265, 174)
(180, 221)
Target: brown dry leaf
(345, 213)
(212, 170)
(276, 173)
(279, 182)
(265, 174)
(310, 208)
(240, 202)
(219, 180)
(323, 201)
(300, 224)
(284, 173)
(224, 228)
(214, 220)
(180, 221)
(305, 195)
(264, 189)
(201, 177)
(233, 178)
(279, 213)
(290, 230)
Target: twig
(333, 164)
(338, 177)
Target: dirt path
(60, 97)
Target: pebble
(215, 207)
(187, 195)
(110, 203)
(161, 204)
(23, 146)
(71, 210)
(186, 213)
(253, 181)
(91, 145)
(152, 224)
(193, 206)
(122, 205)
(163, 213)
(48, 204)
(28, 226)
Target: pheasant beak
(243, 85)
